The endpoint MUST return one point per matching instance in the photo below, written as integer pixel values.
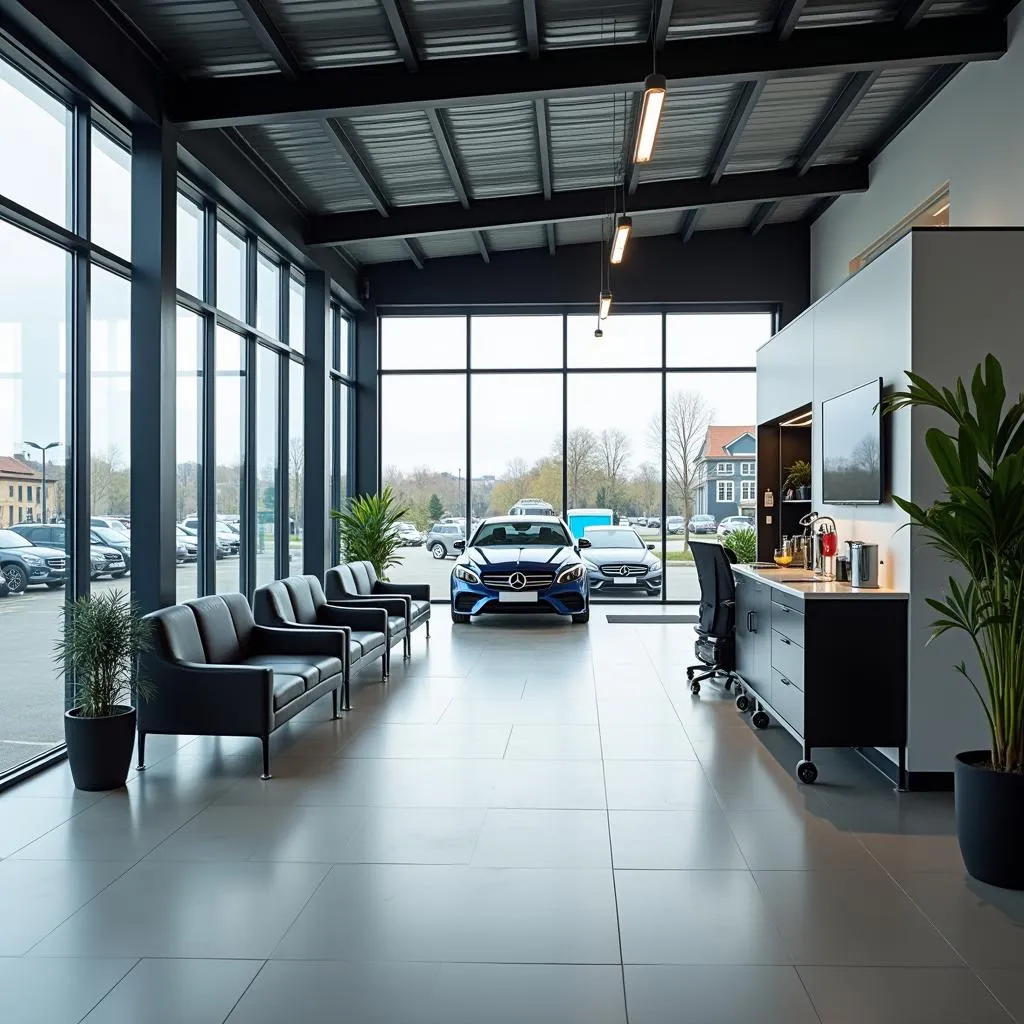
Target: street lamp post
(44, 449)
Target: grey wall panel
(785, 369)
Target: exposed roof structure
(419, 129)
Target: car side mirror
(584, 543)
(650, 547)
(459, 545)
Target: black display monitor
(852, 471)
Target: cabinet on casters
(827, 662)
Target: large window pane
(716, 339)
(710, 434)
(34, 132)
(229, 444)
(33, 393)
(296, 464)
(110, 413)
(230, 272)
(342, 359)
(422, 343)
(516, 342)
(267, 369)
(629, 340)
(190, 247)
(614, 463)
(111, 186)
(268, 295)
(423, 457)
(297, 315)
(188, 442)
(516, 459)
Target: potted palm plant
(978, 526)
(798, 481)
(368, 528)
(99, 648)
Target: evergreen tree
(434, 507)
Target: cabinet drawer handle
(751, 622)
(785, 681)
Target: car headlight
(570, 575)
(591, 566)
(464, 573)
(33, 559)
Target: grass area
(679, 556)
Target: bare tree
(580, 461)
(648, 480)
(689, 417)
(613, 449)
(296, 466)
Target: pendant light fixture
(655, 90)
(604, 305)
(622, 231)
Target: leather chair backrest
(273, 605)
(176, 635)
(362, 578)
(717, 588)
(302, 600)
(316, 592)
(371, 574)
(225, 626)
(340, 582)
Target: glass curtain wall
(341, 407)
(533, 411)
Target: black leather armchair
(357, 583)
(299, 603)
(215, 672)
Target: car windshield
(492, 535)
(105, 533)
(10, 539)
(613, 539)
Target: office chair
(715, 646)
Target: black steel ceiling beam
(532, 28)
(762, 215)
(351, 156)
(400, 31)
(481, 245)
(583, 204)
(749, 94)
(853, 91)
(911, 12)
(549, 230)
(820, 207)
(446, 148)
(414, 252)
(662, 18)
(269, 35)
(347, 92)
(786, 17)
(543, 145)
(688, 223)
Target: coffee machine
(863, 565)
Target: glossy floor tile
(528, 823)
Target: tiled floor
(533, 823)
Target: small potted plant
(368, 529)
(798, 481)
(978, 527)
(99, 649)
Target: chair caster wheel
(807, 771)
(689, 673)
(742, 702)
(695, 688)
(760, 720)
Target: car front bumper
(631, 585)
(558, 599)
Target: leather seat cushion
(287, 688)
(420, 610)
(367, 640)
(311, 667)
(396, 625)
(355, 652)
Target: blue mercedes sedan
(521, 564)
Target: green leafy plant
(367, 530)
(99, 648)
(979, 526)
(799, 475)
(743, 544)
(434, 508)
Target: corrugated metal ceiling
(336, 34)
(497, 145)
(720, 17)
(586, 140)
(567, 23)
(457, 28)
(728, 215)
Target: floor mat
(654, 619)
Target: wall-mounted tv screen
(851, 447)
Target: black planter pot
(803, 493)
(989, 820)
(100, 749)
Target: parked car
(653, 523)
(187, 545)
(639, 521)
(521, 564)
(14, 573)
(45, 566)
(675, 524)
(703, 524)
(228, 539)
(618, 559)
(110, 523)
(441, 539)
(111, 549)
(409, 535)
(730, 524)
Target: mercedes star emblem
(624, 571)
(517, 581)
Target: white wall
(971, 135)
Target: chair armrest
(398, 605)
(417, 591)
(204, 699)
(274, 640)
(361, 616)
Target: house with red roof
(21, 492)
(728, 472)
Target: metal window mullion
(565, 416)
(468, 496)
(664, 461)
(207, 510)
(282, 483)
(249, 501)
